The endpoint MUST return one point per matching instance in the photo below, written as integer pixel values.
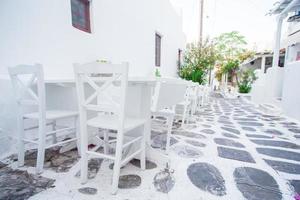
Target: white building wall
(291, 94)
(41, 31)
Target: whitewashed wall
(35, 31)
(291, 94)
(41, 31)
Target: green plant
(230, 45)
(232, 50)
(157, 73)
(198, 60)
(245, 80)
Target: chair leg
(117, 163)
(184, 116)
(21, 145)
(76, 126)
(143, 152)
(84, 156)
(169, 131)
(106, 146)
(54, 137)
(41, 148)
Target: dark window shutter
(81, 15)
(157, 50)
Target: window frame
(158, 49)
(87, 12)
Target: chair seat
(111, 122)
(52, 114)
(164, 112)
(183, 103)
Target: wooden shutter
(81, 15)
(157, 50)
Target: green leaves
(230, 45)
(245, 80)
(198, 60)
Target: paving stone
(149, 164)
(93, 167)
(231, 130)
(276, 143)
(2, 165)
(256, 184)
(297, 136)
(160, 141)
(248, 128)
(228, 142)
(296, 185)
(251, 124)
(229, 125)
(54, 159)
(206, 125)
(195, 143)
(229, 135)
(273, 132)
(111, 166)
(225, 122)
(187, 151)
(279, 153)
(224, 117)
(235, 154)
(88, 190)
(288, 124)
(208, 131)
(164, 181)
(129, 181)
(20, 185)
(189, 134)
(207, 178)
(290, 168)
(294, 130)
(258, 136)
(245, 119)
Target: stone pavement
(229, 150)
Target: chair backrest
(23, 78)
(191, 91)
(98, 83)
(167, 93)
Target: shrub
(245, 80)
(198, 60)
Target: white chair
(26, 96)
(167, 93)
(102, 109)
(187, 105)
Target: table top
(132, 80)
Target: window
(157, 50)
(179, 58)
(81, 15)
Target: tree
(198, 60)
(232, 50)
(230, 45)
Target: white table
(61, 93)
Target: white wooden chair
(26, 96)
(102, 109)
(201, 93)
(168, 92)
(187, 105)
